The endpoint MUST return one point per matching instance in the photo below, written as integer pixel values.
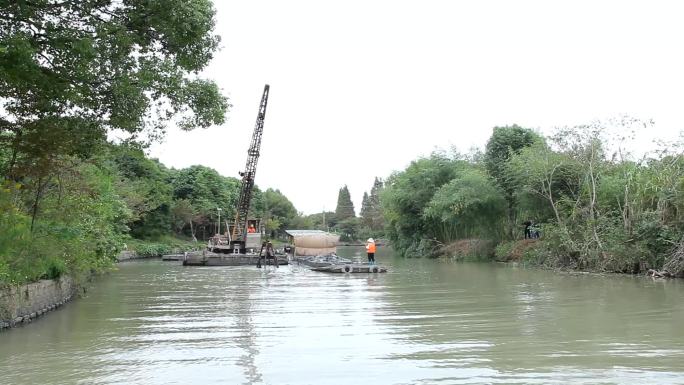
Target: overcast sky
(361, 88)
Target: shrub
(469, 250)
(503, 251)
(53, 268)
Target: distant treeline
(596, 206)
(83, 212)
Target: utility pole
(219, 221)
(324, 225)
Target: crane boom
(247, 183)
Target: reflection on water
(424, 322)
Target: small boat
(322, 260)
(351, 268)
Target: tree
(272, 226)
(366, 219)
(377, 221)
(301, 222)
(183, 214)
(348, 229)
(206, 190)
(504, 142)
(141, 182)
(322, 221)
(345, 207)
(70, 71)
(470, 205)
(539, 170)
(407, 194)
(278, 211)
(371, 210)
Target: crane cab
(223, 243)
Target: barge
(351, 268)
(207, 258)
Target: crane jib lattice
(247, 183)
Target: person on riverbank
(534, 231)
(370, 250)
(527, 224)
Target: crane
(238, 237)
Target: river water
(424, 322)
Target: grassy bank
(161, 246)
(545, 253)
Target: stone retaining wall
(22, 304)
(127, 256)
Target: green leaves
(129, 66)
(345, 206)
(505, 142)
(470, 205)
(408, 193)
(205, 103)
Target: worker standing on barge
(370, 249)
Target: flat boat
(351, 268)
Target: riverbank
(21, 304)
(540, 254)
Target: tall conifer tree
(345, 207)
(366, 210)
(375, 209)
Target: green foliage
(206, 190)
(79, 227)
(372, 218)
(278, 212)
(74, 72)
(608, 214)
(505, 142)
(594, 211)
(469, 206)
(108, 59)
(153, 249)
(301, 222)
(157, 249)
(348, 229)
(163, 246)
(182, 214)
(408, 193)
(321, 221)
(345, 207)
(144, 185)
(366, 219)
(504, 250)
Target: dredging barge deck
(221, 252)
(207, 258)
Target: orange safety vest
(370, 248)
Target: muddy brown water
(424, 322)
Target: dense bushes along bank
(86, 211)
(598, 207)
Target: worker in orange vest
(251, 229)
(370, 249)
